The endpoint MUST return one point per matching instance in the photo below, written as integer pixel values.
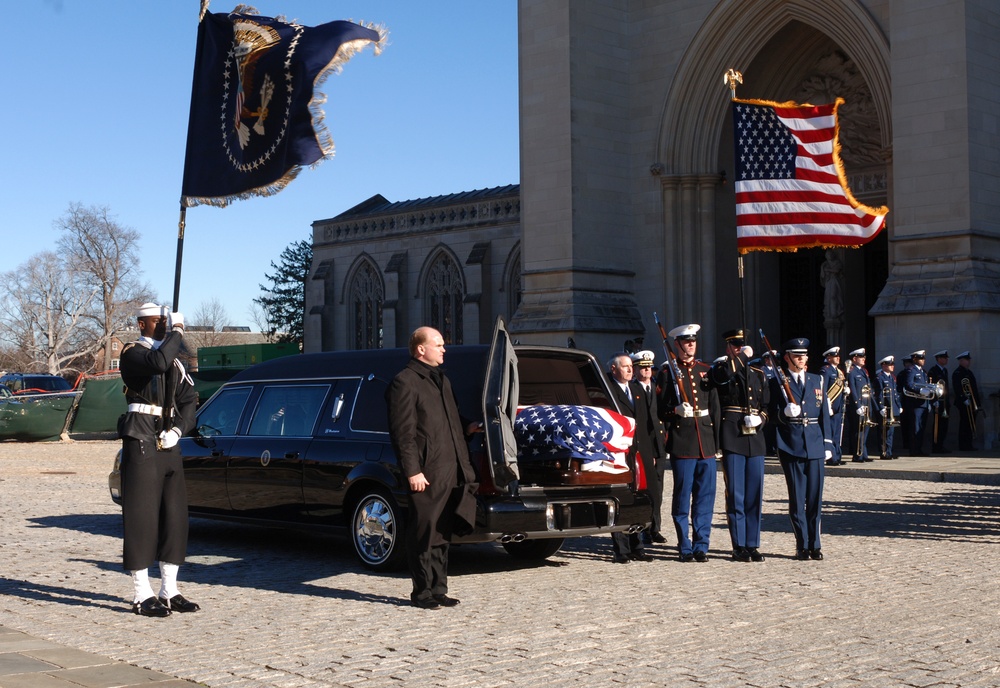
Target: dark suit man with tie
(802, 410)
(625, 547)
(650, 437)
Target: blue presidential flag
(598, 437)
(255, 119)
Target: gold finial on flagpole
(731, 78)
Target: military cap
(965, 354)
(685, 331)
(720, 359)
(832, 351)
(643, 359)
(943, 353)
(858, 352)
(888, 360)
(150, 310)
(922, 353)
(798, 345)
(735, 337)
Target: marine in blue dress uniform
(804, 441)
(692, 421)
(838, 393)
(743, 397)
(916, 403)
(860, 415)
(890, 408)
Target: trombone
(888, 418)
(864, 418)
(971, 407)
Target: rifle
(786, 388)
(675, 369)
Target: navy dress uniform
(890, 407)
(744, 395)
(967, 401)
(691, 412)
(838, 392)
(650, 435)
(804, 442)
(939, 407)
(860, 385)
(915, 402)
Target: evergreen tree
(284, 302)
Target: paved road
(907, 596)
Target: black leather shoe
(622, 560)
(741, 554)
(802, 554)
(816, 554)
(658, 539)
(150, 607)
(446, 601)
(178, 603)
(426, 603)
(857, 459)
(700, 556)
(755, 555)
(641, 556)
(686, 557)
(831, 462)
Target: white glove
(828, 454)
(169, 438)
(175, 320)
(747, 351)
(861, 410)
(793, 410)
(684, 410)
(883, 412)
(752, 421)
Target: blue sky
(96, 106)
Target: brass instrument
(864, 418)
(926, 391)
(889, 419)
(972, 408)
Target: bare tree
(105, 257)
(259, 317)
(207, 324)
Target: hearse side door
(206, 451)
(500, 397)
(264, 475)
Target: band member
(691, 408)
(890, 408)
(743, 396)
(859, 403)
(967, 400)
(905, 419)
(916, 402)
(838, 392)
(939, 407)
(650, 436)
(801, 409)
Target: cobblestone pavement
(907, 596)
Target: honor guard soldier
(161, 402)
(801, 409)
(838, 392)
(691, 408)
(743, 397)
(890, 408)
(859, 419)
(916, 401)
(939, 407)
(967, 400)
(650, 436)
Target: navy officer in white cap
(161, 402)
(802, 410)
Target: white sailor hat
(832, 351)
(965, 354)
(643, 359)
(943, 353)
(150, 310)
(720, 359)
(888, 360)
(858, 352)
(922, 353)
(685, 331)
(798, 345)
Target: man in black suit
(624, 546)
(650, 436)
(429, 438)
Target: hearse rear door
(500, 396)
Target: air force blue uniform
(858, 380)
(836, 386)
(916, 408)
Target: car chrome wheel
(376, 531)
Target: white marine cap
(720, 359)
(685, 331)
(832, 351)
(921, 353)
(858, 352)
(890, 359)
(943, 353)
(150, 310)
(643, 359)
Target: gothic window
(366, 298)
(445, 295)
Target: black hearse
(303, 441)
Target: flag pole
(180, 255)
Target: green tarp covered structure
(100, 406)
(35, 417)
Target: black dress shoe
(426, 603)
(621, 560)
(178, 603)
(150, 607)
(816, 554)
(741, 554)
(700, 556)
(857, 459)
(658, 539)
(802, 554)
(686, 557)
(831, 462)
(755, 555)
(641, 556)
(446, 601)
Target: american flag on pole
(791, 190)
(599, 437)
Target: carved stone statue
(832, 278)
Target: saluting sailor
(837, 391)
(887, 394)
(161, 407)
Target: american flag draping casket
(598, 437)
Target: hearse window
(369, 411)
(287, 410)
(222, 416)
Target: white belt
(146, 408)
(700, 412)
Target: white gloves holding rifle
(684, 410)
(793, 410)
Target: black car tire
(535, 550)
(377, 531)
